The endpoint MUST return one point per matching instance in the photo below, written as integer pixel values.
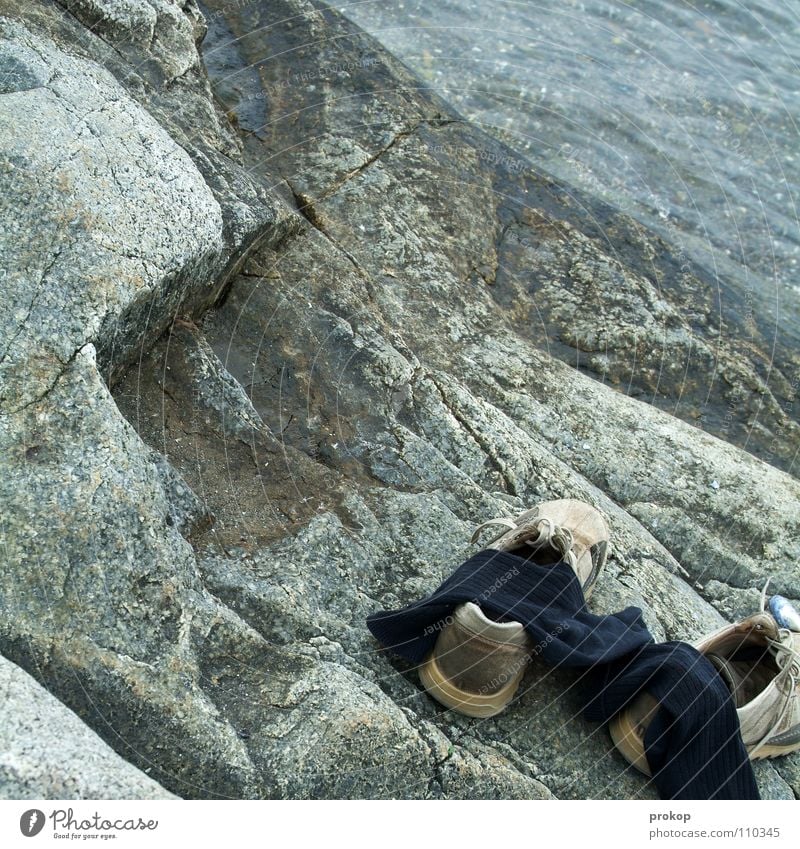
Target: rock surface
(46, 752)
(360, 292)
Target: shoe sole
(470, 704)
(623, 733)
(773, 752)
(625, 736)
(597, 569)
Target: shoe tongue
(731, 676)
(543, 547)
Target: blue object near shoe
(784, 613)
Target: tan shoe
(759, 659)
(477, 663)
(565, 529)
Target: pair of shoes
(478, 663)
(759, 660)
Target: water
(684, 115)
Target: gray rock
(106, 227)
(186, 511)
(164, 29)
(46, 752)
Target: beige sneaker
(759, 659)
(565, 529)
(477, 663)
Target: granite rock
(46, 752)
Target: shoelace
(787, 659)
(558, 537)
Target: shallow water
(686, 116)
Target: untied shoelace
(558, 537)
